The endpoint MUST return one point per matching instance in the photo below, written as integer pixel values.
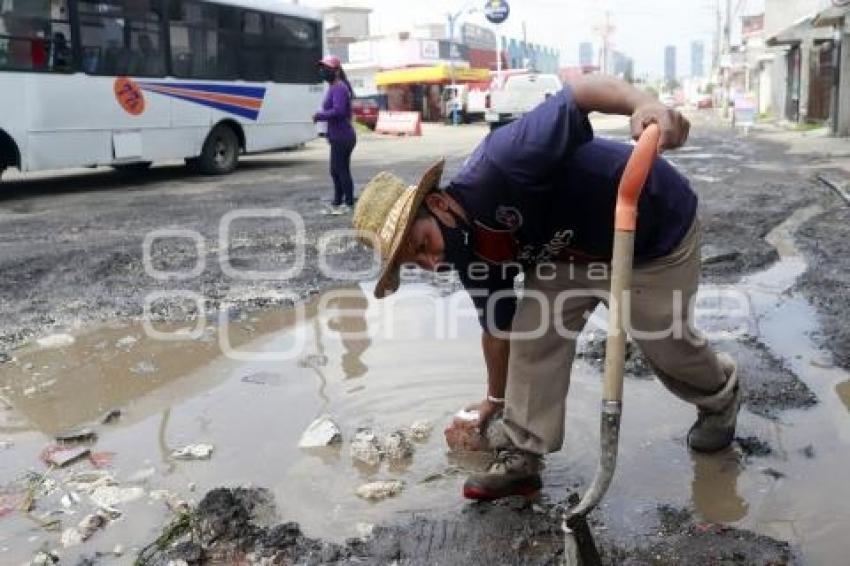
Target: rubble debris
(172, 501)
(144, 367)
(6, 444)
(462, 435)
(753, 446)
(773, 473)
(111, 417)
(420, 431)
(111, 495)
(55, 341)
(396, 446)
(365, 448)
(808, 451)
(378, 490)
(71, 537)
(70, 499)
(43, 558)
(76, 436)
(200, 451)
(321, 432)
(62, 457)
(118, 550)
(712, 254)
(91, 523)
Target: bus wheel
(220, 152)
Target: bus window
(204, 40)
(122, 39)
(295, 48)
(34, 35)
(253, 57)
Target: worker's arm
(610, 95)
(496, 353)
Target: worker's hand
(315, 117)
(486, 411)
(674, 127)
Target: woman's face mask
(327, 74)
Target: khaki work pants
(661, 294)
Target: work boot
(513, 472)
(715, 430)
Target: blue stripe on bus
(249, 91)
(237, 110)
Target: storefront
(419, 89)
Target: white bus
(129, 82)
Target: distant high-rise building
(670, 63)
(697, 58)
(585, 54)
(623, 65)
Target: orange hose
(634, 178)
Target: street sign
(496, 11)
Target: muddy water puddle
(384, 366)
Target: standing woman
(336, 111)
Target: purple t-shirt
(554, 186)
(336, 111)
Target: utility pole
(727, 56)
(453, 17)
(605, 31)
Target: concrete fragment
(55, 341)
(70, 499)
(111, 417)
(396, 446)
(110, 495)
(44, 559)
(200, 451)
(90, 524)
(71, 537)
(76, 435)
(420, 430)
(321, 432)
(462, 434)
(65, 457)
(365, 448)
(378, 490)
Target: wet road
(387, 365)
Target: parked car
(365, 111)
(705, 101)
(520, 95)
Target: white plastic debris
(321, 432)
(194, 452)
(375, 491)
(110, 495)
(365, 448)
(55, 341)
(420, 430)
(396, 446)
(118, 550)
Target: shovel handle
(634, 177)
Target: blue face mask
(327, 74)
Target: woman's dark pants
(341, 171)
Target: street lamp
(453, 17)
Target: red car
(365, 111)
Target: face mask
(327, 74)
(458, 244)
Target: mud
(231, 525)
(824, 240)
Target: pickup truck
(520, 94)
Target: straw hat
(385, 212)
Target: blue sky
(643, 27)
